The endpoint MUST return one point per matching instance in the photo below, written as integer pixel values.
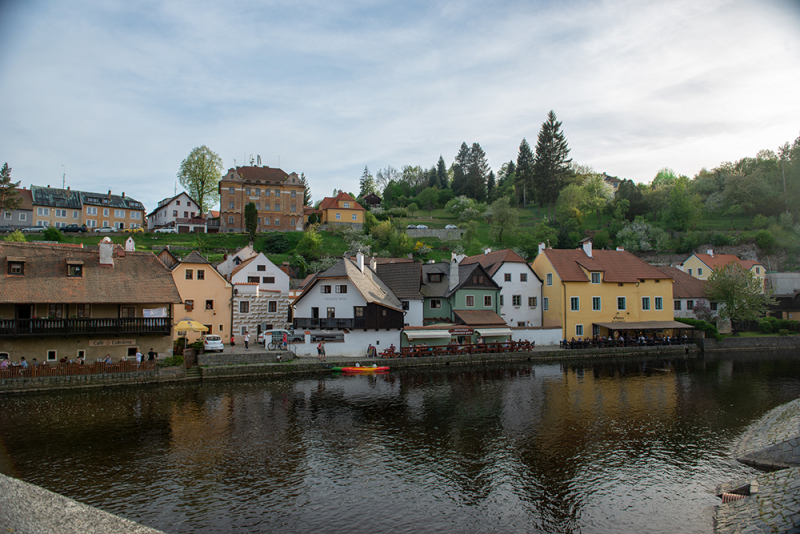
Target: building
(688, 294)
(55, 207)
(22, 217)
(372, 200)
(260, 296)
(520, 288)
(278, 198)
(785, 289)
(597, 292)
(206, 296)
(232, 261)
(351, 307)
(341, 209)
(60, 207)
(702, 265)
(180, 212)
(404, 279)
(66, 301)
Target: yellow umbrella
(187, 323)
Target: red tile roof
(135, 278)
(494, 260)
(721, 260)
(618, 266)
(685, 285)
(333, 203)
(262, 174)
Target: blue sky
(120, 92)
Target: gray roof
(371, 287)
(784, 283)
(194, 257)
(55, 197)
(404, 279)
(442, 289)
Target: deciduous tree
(504, 217)
(739, 294)
(200, 174)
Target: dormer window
(75, 268)
(435, 277)
(16, 266)
(346, 204)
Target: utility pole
(64, 178)
(785, 199)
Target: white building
(261, 295)
(405, 280)
(520, 288)
(232, 261)
(180, 212)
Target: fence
(75, 369)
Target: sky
(115, 94)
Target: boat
(359, 369)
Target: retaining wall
(750, 343)
(13, 385)
(444, 235)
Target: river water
(597, 446)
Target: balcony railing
(44, 327)
(328, 323)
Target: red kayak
(359, 369)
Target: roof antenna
(259, 160)
(64, 177)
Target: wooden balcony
(83, 327)
(328, 323)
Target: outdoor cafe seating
(455, 349)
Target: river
(633, 445)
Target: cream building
(206, 296)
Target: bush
(276, 243)
(51, 233)
(719, 240)
(760, 221)
(765, 240)
(171, 361)
(765, 327)
(783, 332)
(708, 328)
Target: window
(595, 278)
(355, 217)
(75, 214)
(578, 329)
(84, 311)
(690, 272)
(247, 191)
(82, 354)
(689, 304)
(118, 225)
(358, 311)
(91, 223)
(269, 280)
(331, 313)
(52, 355)
(277, 207)
(521, 324)
(712, 306)
(42, 211)
(545, 304)
(129, 312)
(507, 277)
(435, 277)
(501, 300)
(253, 279)
(119, 214)
(549, 279)
(230, 206)
(294, 194)
(201, 274)
(470, 300)
(277, 192)
(16, 267)
(177, 202)
(244, 306)
(338, 216)
(189, 274)
(659, 303)
(436, 304)
(266, 221)
(209, 304)
(55, 311)
(185, 214)
(699, 271)
(92, 210)
(189, 304)
(61, 213)
(267, 192)
(261, 267)
(258, 192)
(272, 307)
(516, 300)
(645, 303)
(487, 301)
(75, 271)
(620, 303)
(231, 190)
(595, 303)
(531, 302)
(341, 289)
(758, 270)
(677, 305)
(346, 204)
(230, 220)
(136, 215)
(326, 289)
(294, 208)
(523, 277)
(574, 303)
(291, 222)
(277, 222)
(105, 212)
(7, 215)
(405, 305)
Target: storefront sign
(618, 319)
(111, 342)
(461, 331)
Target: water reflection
(595, 446)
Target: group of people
(625, 340)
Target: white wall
(531, 288)
(355, 344)
(343, 303)
(542, 336)
(270, 269)
(163, 215)
(226, 267)
(414, 314)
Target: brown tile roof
(243, 264)
(618, 266)
(721, 260)
(685, 286)
(307, 280)
(27, 199)
(333, 202)
(494, 260)
(479, 318)
(135, 278)
(262, 174)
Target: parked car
(212, 343)
(166, 230)
(33, 229)
(74, 228)
(451, 227)
(134, 230)
(105, 230)
(411, 227)
(421, 227)
(5, 229)
(291, 336)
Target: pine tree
(460, 166)
(367, 183)
(524, 175)
(477, 173)
(490, 184)
(441, 174)
(551, 166)
(251, 220)
(306, 190)
(9, 196)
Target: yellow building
(341, 209)
(206, 297)
(702, 265)
(594, 292)
(61, 207)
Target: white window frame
(595, 278)
(579, 330)
(545, 304)
(467, 299)
(658, 305)
(549, 279)
(575, 304)
(598, 301)
(624, 301)
(645, 303)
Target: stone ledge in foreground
(773, 442)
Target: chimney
(710, 252)
(373, 264)
(542, 246)
(453, 271)
(486, 251)
(587, 247)
(107, 252)
(360, 261)
(620, 249)
(130, 246)
(67, 188)
(123, 194)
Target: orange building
(278, 198)
(341, 209)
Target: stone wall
(238, 358)
(774, 441)
(8, 385)
(259, 313)
(750, 343)
(444, 235)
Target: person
(371, 351)
(34, 362)
(80, 360)
(63, 360)
(4, 364)
(138, 356)
(151, 356)
(233, 343)
(23, 363)
(246, 340)
(285, 340)
(107, 359)
(321, 350)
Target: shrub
(708, 328)
(765, 327)
(16, 236)
(760, 221)
(765, 240)
(783, 332)
(51, 233)
(276, 243)
(171, 361)
(719, 240)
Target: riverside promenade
(768, 502)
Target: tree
(551, 165)
(570, 203)
(16, 236)
(441, 174)
(490, 186)
(9, 196)
(598, 194)
(503, 217)
(251, 220)
(306, 189)
(683, 207)
(460, 167)
(367, 183)
(384, 176)
(200, 174)
(477, 173)
(524, 174)
(428, 198)
(412, 208)
(739, 294)
(310, 245)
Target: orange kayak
(359, 369)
